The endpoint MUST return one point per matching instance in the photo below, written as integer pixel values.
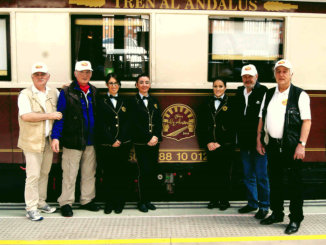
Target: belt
(277, 142)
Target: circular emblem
(155, 105)
(284, 102)
(179, 122)
(123, 109)
(224, 108)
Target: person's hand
(212, 146)
(116, 144)
(260, 148)
(55, 115)
(299, 152)
(153, 141)
(55, 145)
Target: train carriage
(183, 45)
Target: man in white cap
(75, 133)
(37, 111)
(248, 101)
(283, 130)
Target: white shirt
(217, 102)
(246, 96)
(114, 101)
(276, 111)
(145, 101)
(24, 104)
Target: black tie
(145, 98)
(219, 99)
(113, 97)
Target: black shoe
(246, 209)
(293, 227)
(213, 204)
(91, 206)
(142, 207)
(273, 218)
(108, 209)
(224, 205)
(66, 211)
(118, 209)
(261, 214)
(150, 206)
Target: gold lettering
(117, 5)
(252, 5)
(202, 5)
(150, 2)
(128, 2)
(164, 4)
(215, 4)
(208, 4)
(222, 4)
(172, 5)
(139, 4)
(240, 5)
(189, 3)
(231, 5)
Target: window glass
(235, 42)
(112, 43)
(4, 49)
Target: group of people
(271, 127)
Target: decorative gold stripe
(171, 240)
(10, 150)
(241, 57)
(9, 93)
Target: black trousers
(219, 166)
(282, 166)
(147, 158)
(114, 161)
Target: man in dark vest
(248, 100)
(283, 130)
(75, 132)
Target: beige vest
(32, 134)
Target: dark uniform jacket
(146, 122)
(111, 123)
(292, 122)
(246, 125)
(216, 125)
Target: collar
(36, 91)
(285, 92)
(141, 96)
(113, 95)
(222, 97)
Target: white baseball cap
(249, 70)
(83, 65)
(39, 67)
(284, 63)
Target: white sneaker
(34, 215)
(47, 209)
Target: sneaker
(47, 209)
(34, 215)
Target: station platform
(172, 223)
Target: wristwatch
(302, 143)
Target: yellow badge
(284, 102)
(123, 109)
(225, 108)
(155, 105)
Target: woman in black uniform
(146, 124)
(113, 141)
(217, 135)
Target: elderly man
(285, 120)
(248, 101)
(37, 111)
(75, 132)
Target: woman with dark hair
(113, 141)
(146, 135)
(217, 135)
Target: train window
(5, 74)
(112, 43)
(234, 42)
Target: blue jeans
(256, 178)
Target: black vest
(292, 122)
(73, 133)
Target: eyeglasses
(112, 84)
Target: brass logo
(179, 122)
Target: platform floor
(172, 223)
